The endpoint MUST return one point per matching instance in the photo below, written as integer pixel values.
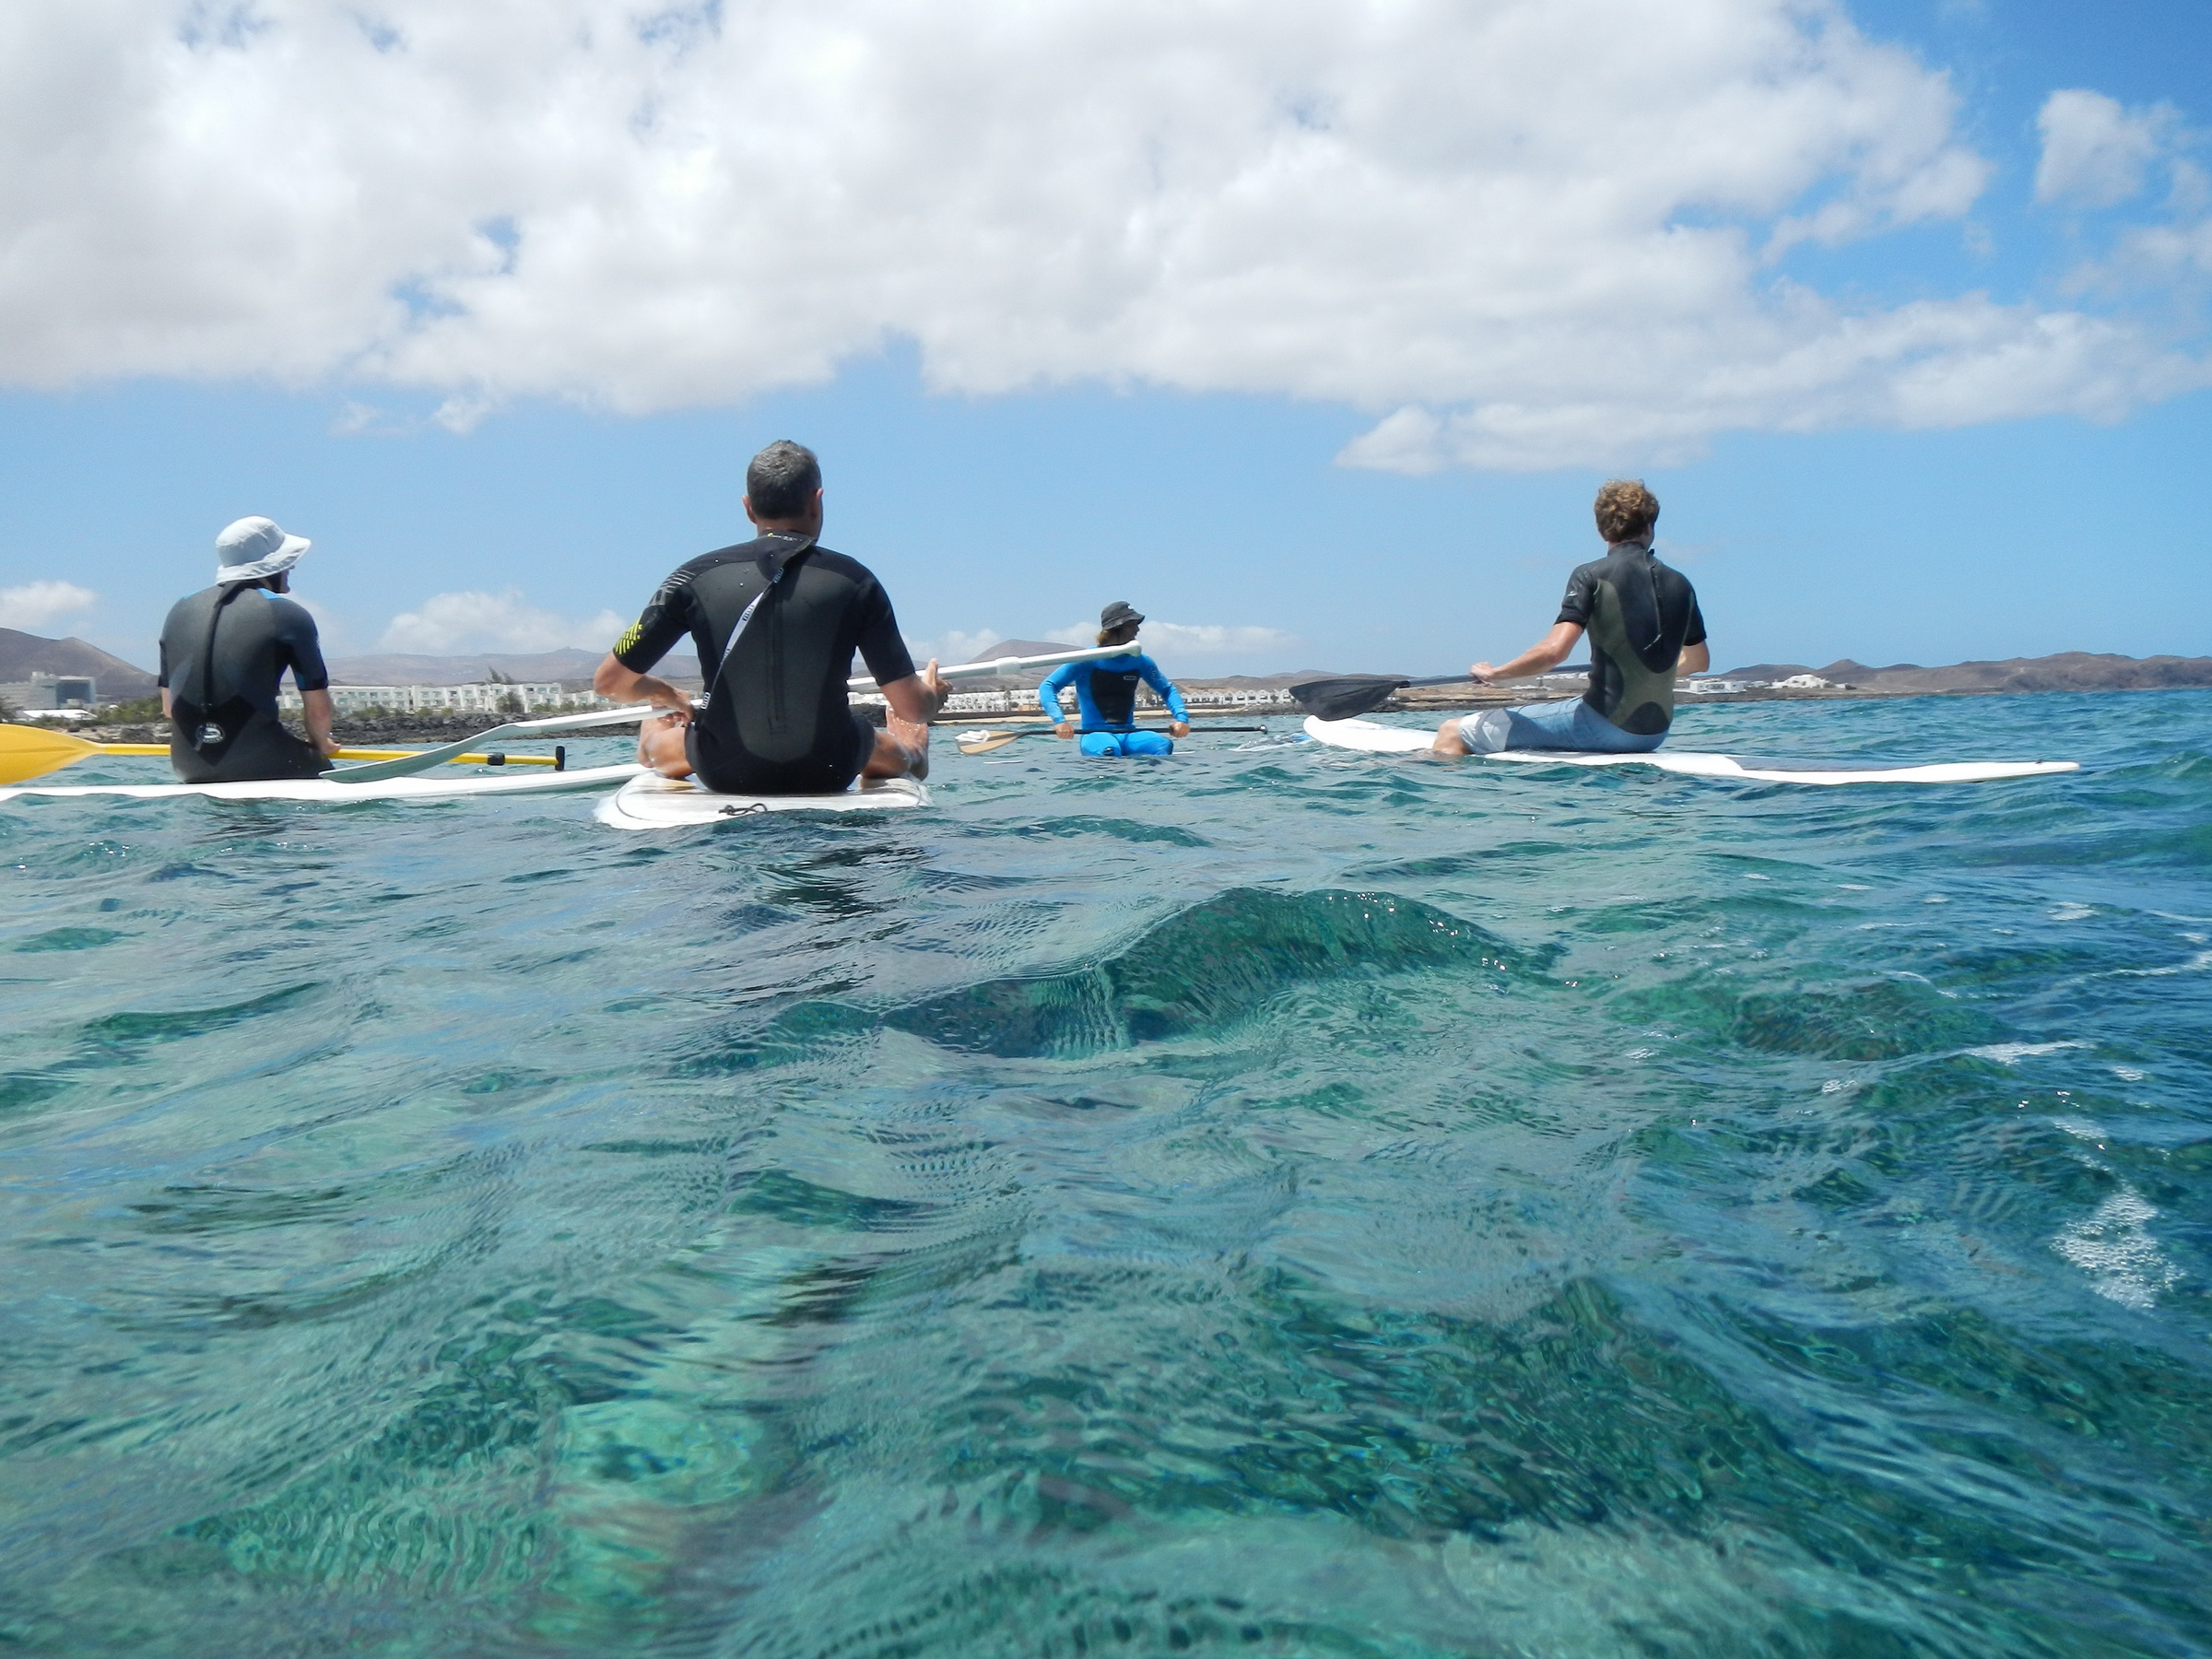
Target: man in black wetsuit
(776, 621)
(1645, 631)
(224, 653)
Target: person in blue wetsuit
(1106, 693)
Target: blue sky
(1322, 421)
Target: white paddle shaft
(999, 666)
(376, 770)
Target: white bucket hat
(254, 548)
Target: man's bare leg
(661, 747)
(1448, 741)
(901, 752)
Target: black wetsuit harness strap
(207, 732)
(773, 563)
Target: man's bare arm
(319, 711)
(624, 685)
(1546, 653)
(1695, 659)
(917, 698)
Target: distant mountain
(2065, 671)
(1257, 682)
(1006, 648)
(23, 655)
(531, 668)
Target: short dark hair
(1625, 510)
(782, 481)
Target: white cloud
(1212, 638)
(2095, 151)
(1926, 365)
(36, 603)
(445, 623)
(1545, 226)
(1411, 441)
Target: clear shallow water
(1280, 1203)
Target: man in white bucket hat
(224, 653)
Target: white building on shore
(1236, 697)
(484, 697)
(52, 691)
(1023, 700)
(988, 703)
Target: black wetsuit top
(1638, 616)
(777, 720)
(228, 732)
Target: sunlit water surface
(1272, 1202)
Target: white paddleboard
(1371, 738)
(653, 802)
(452, 785)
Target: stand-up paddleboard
(653, 802)
(1371, 738)
(322, 791)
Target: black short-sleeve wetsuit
(228, 731)
(1638, 616)
(777, 720)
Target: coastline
(1426, 700)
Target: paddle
(578, 723)
(28, 752)
(998, 666)
(983, 743)
(426, 759)
(1344, 696)
(423, 760)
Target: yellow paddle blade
(163, 748)
(983, 743)
(344, 754)
(28, 752)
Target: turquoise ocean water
(1272, 1202)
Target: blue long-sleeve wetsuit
(1106, 701)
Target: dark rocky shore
(401, 730)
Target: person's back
(778, 718)
(776, 621)
(1645, 628)
(225, 651)
(1638, 614)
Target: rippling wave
(1276, 1201)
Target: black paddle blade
(1345, 695)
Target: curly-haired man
(1645, 631)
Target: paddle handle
(983, 743)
